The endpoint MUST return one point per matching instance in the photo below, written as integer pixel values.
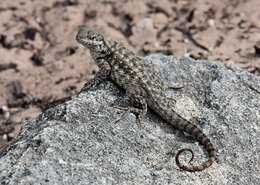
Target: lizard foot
(137, 112)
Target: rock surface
(79, 143)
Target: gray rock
(79, 143)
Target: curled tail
(203, 140)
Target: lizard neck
(100, 55)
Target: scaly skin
(143, 85)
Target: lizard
(143, 85)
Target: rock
(143, 31)
(79, 143)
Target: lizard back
(136, 70)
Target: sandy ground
(41, 65)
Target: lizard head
(91, 40)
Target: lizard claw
(121, 108)
(175, 87)
(127, 111)
(174, 101)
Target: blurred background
(41, 65)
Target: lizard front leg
(102, 74)
(137, 97)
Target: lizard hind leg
(138, 102)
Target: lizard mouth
(88, 37)
(81, 39)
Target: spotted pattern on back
(144, 86)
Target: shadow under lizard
(143, 85)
